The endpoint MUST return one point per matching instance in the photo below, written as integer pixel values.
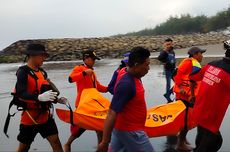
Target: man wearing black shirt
(167, 57)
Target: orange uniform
(84, 81)
(186, 68)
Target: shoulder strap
(29, 71)
(43, 73)
(7, 122)
(12, 102)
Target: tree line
(186, 24)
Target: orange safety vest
(182, 81)
(35, 112)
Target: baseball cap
(36, 49)
(90, 53)
(194, 50)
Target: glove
(47, 96)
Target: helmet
(227, 45)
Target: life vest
(33, 112)
(182, 80)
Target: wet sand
(154, 83)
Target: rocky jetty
(68, 49)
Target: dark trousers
(207, 141)
(168, 76)
(184, 132)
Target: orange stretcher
(162, 120)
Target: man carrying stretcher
(84, 77)
(186, 90)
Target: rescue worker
(84, 76)
(36, 117)
(186, 91)
(127, 113)
(212, 102)
(123, 64)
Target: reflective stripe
(35, 122)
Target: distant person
(123, 64)
(36, 116)
(212, 102)
(127, 113)
(185, 91)
(84, 76)
(167, 57)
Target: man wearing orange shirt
(186, 90)
(84, 77)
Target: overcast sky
(35, 19)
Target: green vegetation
(186, 24)
(10, 59)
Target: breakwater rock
(68, 49)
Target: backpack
(16, 101)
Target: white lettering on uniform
(208, 81)
(213, 70)
(211, 76)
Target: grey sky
(29, 19)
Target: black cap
(90, 53)
(194, 50)
(36, 49)
(168, 40)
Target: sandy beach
(154, 83)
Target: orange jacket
(32, 116)
(84, 82)
(186, 68)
